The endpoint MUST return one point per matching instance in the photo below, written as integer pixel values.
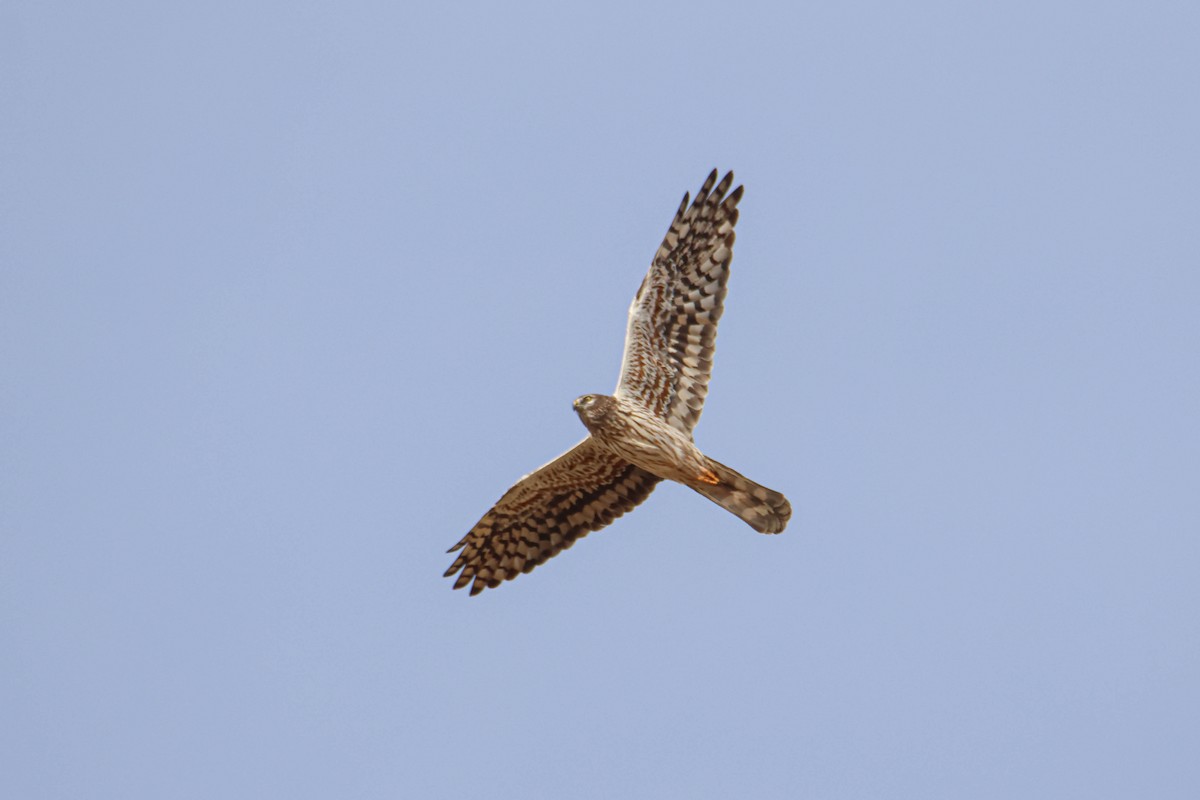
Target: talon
(708, 476)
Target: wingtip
(725, 183)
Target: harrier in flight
(642, 433)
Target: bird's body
(633, 433)
(636, 435)
(643, 432)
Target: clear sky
(290, 293)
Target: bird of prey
(642, 433)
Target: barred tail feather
(763, 509)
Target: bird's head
(592, 408)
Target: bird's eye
(587, 398)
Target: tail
(764, 510)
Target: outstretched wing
(672, 330)
(581, 491)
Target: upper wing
(581, 491)
(672, 329)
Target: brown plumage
(643, 432)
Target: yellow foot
(708, 476)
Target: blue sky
(291, 293)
